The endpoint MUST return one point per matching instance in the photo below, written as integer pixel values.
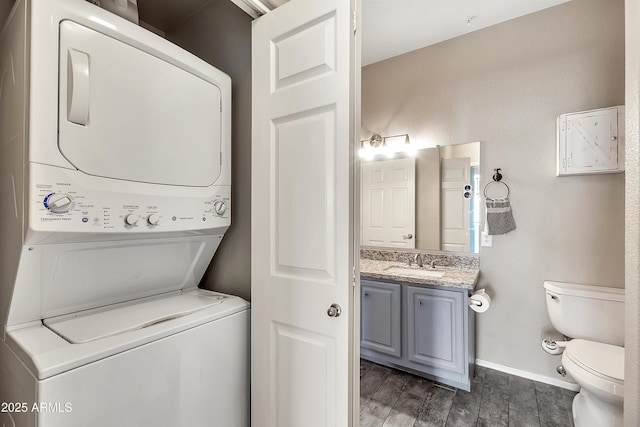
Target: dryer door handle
(78, 85)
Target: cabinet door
(380, 323)
(435, 328)
(588, 142)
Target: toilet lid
(604, 360)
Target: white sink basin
(413, 272)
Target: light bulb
(410, 150)
(390, 154)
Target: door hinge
(355, 22)
(354, 276)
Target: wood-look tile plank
(382, 401)
(372, 418)
(419, 386)
(370, 383)
(552, 406)
(567, 398)
(522, 395)
(435, 410)
(405, 411)
(494, 407)
(497, 381)
(365, 366)
(523, 418)
(466, 406)
(479, 373)
(396, 399)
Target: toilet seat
(597, 367)
(604, 360)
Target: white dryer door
(129, 115)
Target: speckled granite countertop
(465, 278)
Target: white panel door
(388, 203)
(455, 207)
(304, 81)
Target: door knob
(407, 236)
(335, 310)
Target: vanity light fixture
(386, 146)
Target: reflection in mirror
(430, 201)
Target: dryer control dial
(58, 202)
(131, 219)
(219, 206)
(153, 219)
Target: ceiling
(389, 27)
(394, 27)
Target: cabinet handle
(366, 294)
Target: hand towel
(499, 216)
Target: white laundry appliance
(114, 195)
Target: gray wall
(220, 34)
(632, 227)
(505, 86)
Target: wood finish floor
(391, 398)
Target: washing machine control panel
(76, 204)
(58, 202)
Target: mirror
(430, 201)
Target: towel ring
(495, 182)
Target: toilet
(592, 317)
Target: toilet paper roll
(480, 301)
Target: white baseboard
(528, 375)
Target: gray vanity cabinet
(427, 330)
(434, 328)
(381, 324)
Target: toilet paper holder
(479, 301)
(475, 302)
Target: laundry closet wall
(505, 85)
(5, 8)
(220, 33)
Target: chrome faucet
(418, 259)
(433, 263)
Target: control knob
(220, 207)
(58, 202)
(153, 219)
(131, 219)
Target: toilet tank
(594, 313)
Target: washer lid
(93, 326)
(603, 360)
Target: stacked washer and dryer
(115, 186)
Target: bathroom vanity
(417, 319)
